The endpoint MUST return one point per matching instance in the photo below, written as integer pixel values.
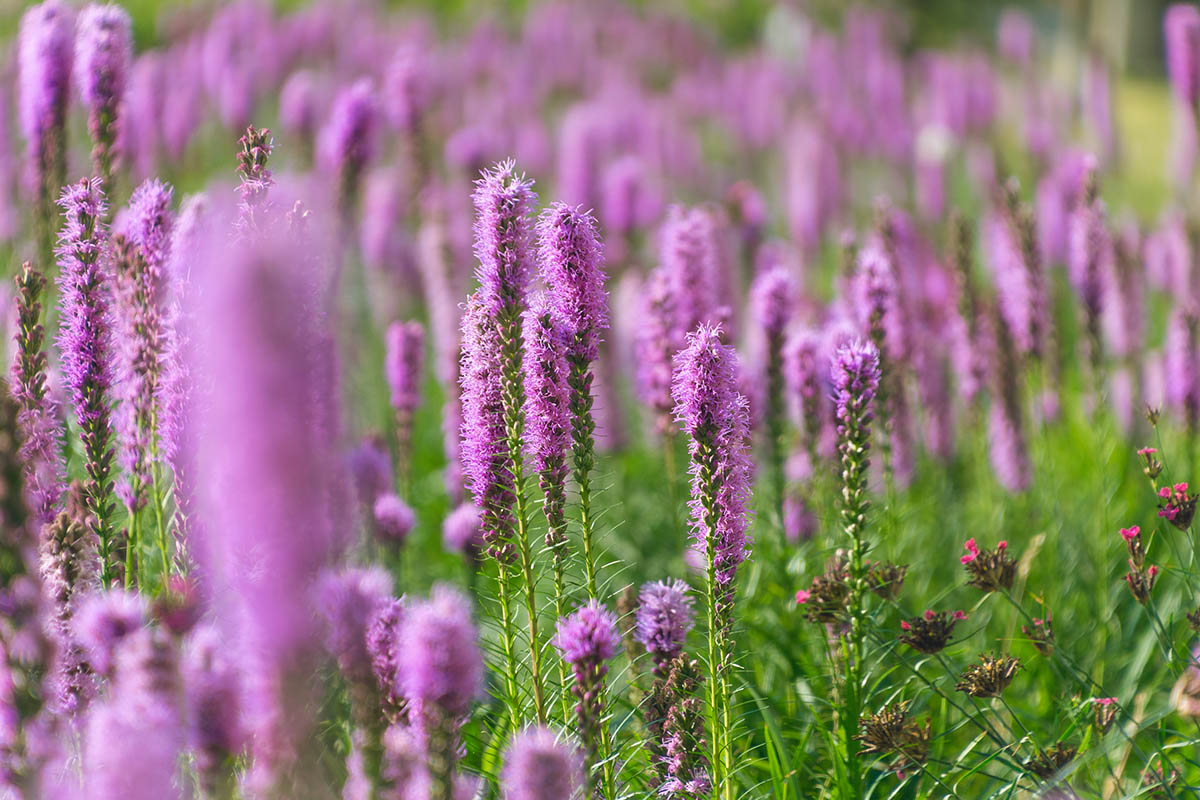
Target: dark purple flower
(855, 381)
(664, 617)
(588, 637)
(538, 766)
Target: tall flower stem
(856, 377)
(85, 340)
(583, 460)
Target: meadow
(593, 401)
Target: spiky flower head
(404, 362)
(855, 376)
(664, 617)
(892, 731)
(689, 257)
(571, 258)
(440, 663)
(588, 636)
(716, 418)
(103, 621)
(484, 452)
(538, 766)
(461, 531)
(503, 202)
(383, 645)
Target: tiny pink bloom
(929, 614)
(1181, 488)
(972, 551)
(802, 596)
(904, 626)
(960, 615)
(1164, 492)
(1152, 571)
(1105, 701)
(1145, 451)
(1038, 623)
(1002, 545)
(1131, 533)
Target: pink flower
(1181, 488)
(972, 551)
(1131, 533)
(1145, 451)
(802, 596)
(1164, 492)
(1152, 571)
(1105, 701)
(904, 626)
(929, 613)
(959, 616)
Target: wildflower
(1041, 634)
(655, 343)
(461, 531)
(1048, 763)
(990, 570)
(85, 338)
(538, 766)
(773, 294)
(393, 518)
(664, 617)
(674, 718)
(382, 639)
(1179, 505)
(256, 181)
(1104, 713)
(827, 600)
(1181, 35)
(403, 365)
(212, 688)
(1153, 467)
(931, 632)
(350, 139)
(891, 731)
(587, 640)
(1133, 540)
(440, 669)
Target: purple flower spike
(572, 268)
(348, 600)
(212, 692)
(588, 639)
(44, 62)
(503, 201)
(716, 418)
(547, 396)
(773, 295)
(855, 380)
(440, 664)
(538, 766)
(689, 255)
(103, 56)
(484, 447)
(655, 343)
(664, 617)
(85, 340)
(404, 363)
(383, 646)
(1181, 35)
(350, 139)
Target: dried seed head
(893, 732)
(1041, 633)
(988, 677)
(1047, 763)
